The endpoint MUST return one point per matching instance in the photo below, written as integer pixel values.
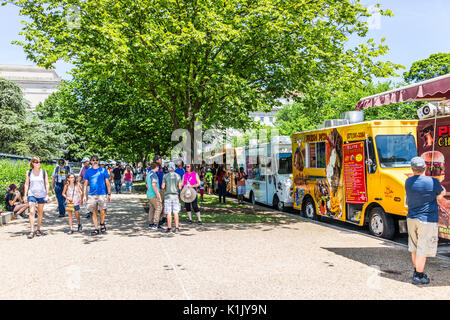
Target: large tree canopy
(206, 60)
(21, 131)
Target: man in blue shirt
(422, 193)
(97, 178)
(154, 197)
(180, 170)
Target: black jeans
(222, 191)
(193, 205)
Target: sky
(418, 29)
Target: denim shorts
(76, 208)
(36, 200)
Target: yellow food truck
(355, 173)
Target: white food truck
(269, 170)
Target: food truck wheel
(381, 224)
(277, 204)
(310, 209)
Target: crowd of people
(166, 186)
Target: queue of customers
(93, 186)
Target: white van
(269, 169)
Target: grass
(214, 212)
(15, 172)
(208, 217)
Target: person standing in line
(117, 176)
(240, 183)
(171, 186)
(209, 179)
(202, 188)
(85, 165)
(36, 194)
(160, 174)
(222, 184)
(128, 178)
(97, 178)
(214, 180)
(59, 177)
(422, 195)
(14, 202)
(192, 179)
(72, 193)
(180, 170)
(154, 198)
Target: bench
(6, 217)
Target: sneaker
(61, 216)
(190, 221)
(177, 230)
(152, 227)
(199, 223)
(159, 228)
(80, 228)
(70, 232)
(420, 278)
(168, 230)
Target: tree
(104, 117)
(206, 60)
(435, 65)
(22, 132)
(320, 105)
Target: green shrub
(15, 172)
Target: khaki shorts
(96, 203)
(423, 237)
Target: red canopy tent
(435, 89)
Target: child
(72, 193)
(128, 178)
(202, 188)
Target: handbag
(70, 204)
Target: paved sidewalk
(295, 260)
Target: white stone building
(37, 83)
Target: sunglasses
(95, 160)
(36, 162)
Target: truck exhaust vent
(334, 123)
(353, 116)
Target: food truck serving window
(316, 157)
(395, 151)
(284, 163)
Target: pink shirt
(190, 178)
(127, 176)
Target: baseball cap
(157, 157)
(94, 157)
(61, 160)
(171, 166)
(417, 163)
(85, 159)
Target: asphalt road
(298, 259)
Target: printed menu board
(354, 173)
(433, 145)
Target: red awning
(430, 90)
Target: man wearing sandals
(97, 178)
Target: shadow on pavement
(394, 263)
(128, 216)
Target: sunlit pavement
(295, 260)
